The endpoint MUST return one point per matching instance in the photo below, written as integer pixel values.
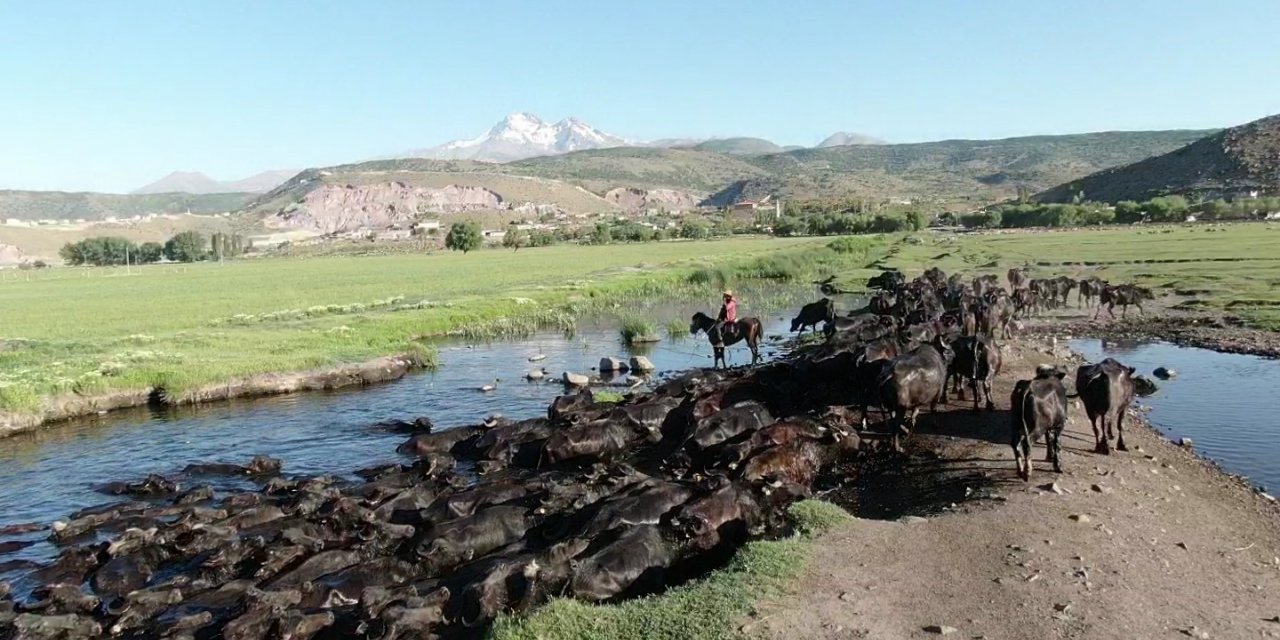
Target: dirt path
(1152, 543)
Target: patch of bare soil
(1149, 543)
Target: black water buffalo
(1125, 295)
(813, 314)
(258, 466)
(1017, 279)
(891, 280)
(1106, 390)
(518, 582)
(451, 543)
(977, 360)
(1062, 287)
(868, 362)
(447, 441)
(909, 382)
(727, 513)
(591, 441)
(636, 561)
(1025, 301)
(570, 406)
(647, 504)
(775, 434)
(796, 464)
(729, 423)
(1038, 407)
(1089, 289)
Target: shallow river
(1224, 402)
(47, 475)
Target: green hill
(1226, 164)
(961, 169)
(60, 205)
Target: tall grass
(639, 330)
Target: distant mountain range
(518, 136)
(963, 173)
(199, 183)
(845, 138)
(523, 135)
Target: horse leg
(986, 388)
(973, 386)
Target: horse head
(699, 322)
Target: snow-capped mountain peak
(524, 135)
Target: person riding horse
(727, 329)
(726, 323)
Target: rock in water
(1164, 373)
(611, 365)
(641, 364)
(576, 379)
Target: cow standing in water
(1106, 389)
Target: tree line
(467, 236)
(1160, 209)
(188, 246)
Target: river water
(1224, 402)
(49, 474)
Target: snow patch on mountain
(524, 135)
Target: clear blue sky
(108, 95)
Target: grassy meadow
(91, 330)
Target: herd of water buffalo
(596, 501)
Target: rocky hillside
(633, 199)
(1229, 163)
(382, 194)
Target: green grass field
(180, 327)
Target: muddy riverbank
(71, 406)
(1151, 543)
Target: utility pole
(126, 259)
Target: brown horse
(748, 329)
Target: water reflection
(1223, 402)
